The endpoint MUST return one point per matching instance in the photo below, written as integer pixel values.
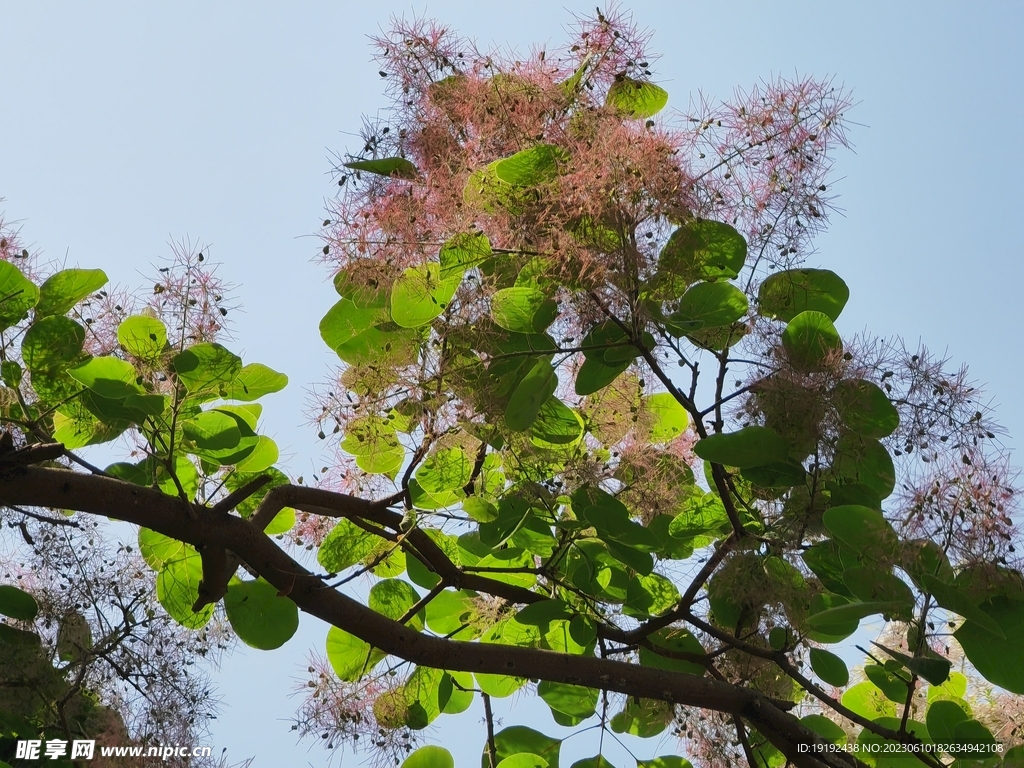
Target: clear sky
(126, 125)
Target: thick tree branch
(34, 486)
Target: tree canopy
(598, 441)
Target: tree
(534, 269)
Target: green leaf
(393, 598)
(212, 430)
(643, 718)
(673, 641)
(935, 671)
(701, 515)
(872, 583)
(262, 457)
(350, 657)
(597, 761)
(17, 603)
(18, 295)
(942, 718)
(666, 761)
(829, 667)
(52, 343)
(524, 760)
(530, 167)
(421, 294)
(142, 337)
(749, 447)
(974, 741)
(638, 99)
(868, 701)
(953, 599)
(254, 381)
(703, 250)
(668, 418)
(397, 167)
(66, 288)
(894, 688)
(556, 424)
(346, 545)
(825, 728)
(865, 462)
(260, 617)
(464, 250)
(707, 305)
(346, 321)
(177, 589)
(523, 309)
(461, 697)
(536, 387)
(518, 739)
(232, 454)
(573, 700)
(429, 757)
(206, 366)
(780, 474)
(810, 340)
(449, 611)
(786, 294)
(650, 595)
(426, 693)
(865, 408)
(862, 530)
(999, 660)
(446, 469)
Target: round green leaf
(254, 381)
(446, 469)
(206, 366)
(826, 620)
(17, 603)
(998, 659)
(810, 340)
(573, 700)
(707, 305)
(638, 99)
(666, 761)
(350, 657)
(825, 728)
(866, 409)
(346, 545)
(429, 757)
(668, 418)
(523, 760)
(530, 167)
(519, 739)
(212, 430)
(393, 598)
(523, 309)
(703, 250)
(52, 343)
(142, 337)
(829, 667)
(786, 294)
(66, 288)
(426, 693)
(862, 530)
(887, 682)
(259, 616)
(18, 295)
(177, 589)
(556, 424)
(749, 447)
(864, 461)
(421, 294)
(868, 701)
(942, 718)
(674, 641)
(263, 456)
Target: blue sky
(128, 125)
